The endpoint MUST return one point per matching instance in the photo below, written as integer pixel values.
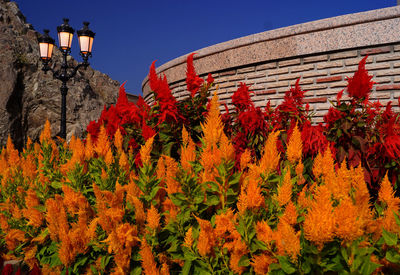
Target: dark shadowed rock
(28, 96)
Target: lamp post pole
(46, 44)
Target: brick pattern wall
(322, 75)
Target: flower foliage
(170, 189)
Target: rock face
(28, 96)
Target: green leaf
(286, 265)
(186, 268)
(244, 261)
(390, 238)
(392, 256)
(56, 184)
(136, 271)
(104, 261)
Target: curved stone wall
(322, 53)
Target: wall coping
(369, 22)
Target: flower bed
(179, 187)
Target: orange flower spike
(185, 137)
(242, 201)
(299, 173)
(164, 269)
(140, 215)
(255, 199)
(145, 151)
(245, 159)
(270, 159)
(226, 147)
(188, 241)
(153, 218)
(287, 241)
(148, 263)
(46, 132)
(295, 146)
(29, 168)
(319, 223)
(30, 256)
(89, 149)
(102, 144)
(188, 155)
(12, 154)
(261, 263)
(109, 157)
(123, 161)
(171, 166)
(285, 190)
(290, 214)
(225, 223)
(14, 237)
(118, 141)
(160, 169)
(318, 167)
(264, 232)
(386, 194)
(207, 239)
(348, 225)
(213, 127)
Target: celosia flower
(359, 86)
(241, 98)
(285, 190)
(264, 232)
(210, 79)
(212, 128)
(314, 140)
(207, 239)
(290, 214)
(319, 223)
(188, 241)
(245, 159)
(295, 146)
(14, 237)
(225, 223)
(261, 263)
(118, 140)
(147, 132)
(145, 151)
(46, 132)
(348, 225)
(153, 218)
(270, 159)
(148, 263)
(193, 81)
(287, 241)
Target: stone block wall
(321, 53)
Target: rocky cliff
(28, 96)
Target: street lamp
(46, 45)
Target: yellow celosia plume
(145, 151)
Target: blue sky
(131, 34)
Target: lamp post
(46, 45)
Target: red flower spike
(392, 146)
(147, 132)
(241, 98)
(210, 79)
(360, 85)
(339, 97)
(153, 78)
(193, 81)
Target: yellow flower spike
(118, 140)
(46, 132)
(148, 263)
(287, 241)
(290, 214)
(171, 168)
(264, 232)
(145, 151)
(386, 196)
(295, 146)
(285, 189)
(188, 151)
(102, 144)
(270, 159)
(12, 154)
